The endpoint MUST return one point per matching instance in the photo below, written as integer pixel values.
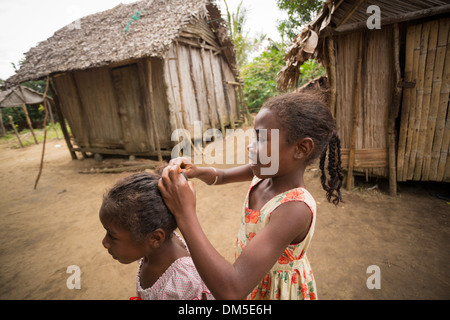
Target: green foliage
(10, 139)
(310, 69)
(260, 76)
(36, 113)
(300, 12)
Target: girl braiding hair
(279, 213)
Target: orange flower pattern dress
(291, 278)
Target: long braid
(323, 178)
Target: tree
(260, 76)
(243, 44)
(300, 12)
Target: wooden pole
(152, 110)
(333, 84)
(351, 157)
(24, 108)
(11, 122)
(45, 133)
(393, 113)
(49, 108)
(62, 123)
(180, 84)
(208, 91)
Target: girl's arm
(226, 280)
(211, 175)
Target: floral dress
(291, 277)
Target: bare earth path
(44, 231)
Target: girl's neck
(169, 251)
(156, 263)
(287, 182)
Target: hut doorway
(131, 108)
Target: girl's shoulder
(296, 194)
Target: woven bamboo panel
(424, 132)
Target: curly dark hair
(136, 205)
(304, 114)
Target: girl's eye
(111, 237)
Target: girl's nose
(105, 243)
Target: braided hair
(304, 114)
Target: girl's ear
(304, 148)
(156, 238)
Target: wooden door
(131, 108)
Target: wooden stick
(152, 110)
(45, 132)
(355, 116)
(180, 84)
(221, 122)
(393, 113)
(227, 96)
(195, 86)
(24, 108)
(208, 91)
(62, 122)
(11, 122)
(332, 62)
(49, 107)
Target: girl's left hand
(177, 192)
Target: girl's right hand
(189, 169)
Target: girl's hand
(177, 192)
(186, 166)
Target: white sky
(24, 23)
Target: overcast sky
(24, 23)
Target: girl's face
(270, 154)
(119, 243)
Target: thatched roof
(128, 31)
(18, 96)
(338, 16)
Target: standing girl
(279, 213)
(139, 227)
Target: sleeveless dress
(291, 278)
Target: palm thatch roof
(125, 32)
(338, 16)
(20, 95)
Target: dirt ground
(44, 231)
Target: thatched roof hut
(389, 87)
(126, 78)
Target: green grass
(10, 139)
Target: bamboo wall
(423, 146)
